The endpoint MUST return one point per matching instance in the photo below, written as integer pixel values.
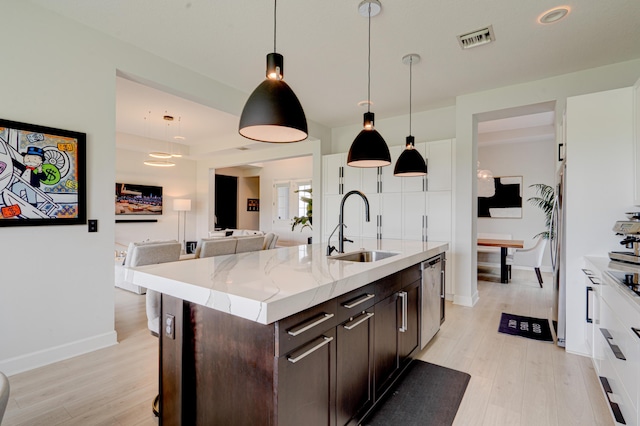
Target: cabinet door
(391, 215)
(332, 173)
(370, 180)
(408, 326)
(385, 342)
(389, 182)
(636, 142)
(414, 215)
(306, 387)
(354, 347)
(439, 165)
(438, 220)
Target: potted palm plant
(544, 201)
(306, 220)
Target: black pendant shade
(273, 112)
(369, 148)
(410, 163)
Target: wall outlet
(170, 326)
(93, 225)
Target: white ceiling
(325, 51)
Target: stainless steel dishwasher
(432, 297)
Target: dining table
(504, 245)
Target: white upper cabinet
(389, 182)
(438, 157)
(337, 177)
(636, 142)
(439, 165)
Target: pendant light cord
(275, 5)
(410, 81)
(369, 66)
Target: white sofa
(144, 253)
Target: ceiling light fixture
(159, 163)
(369, 148)
(273, 112)
(554, 15)
(486, 183)
(410, 163)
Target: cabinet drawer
(298, 329)
(410, 275)
(618, 338)
(387, 286)
(355, 302)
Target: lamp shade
(410, 163)
(273, 112)
(182, 205)
(369, 148)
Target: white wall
(176, 182)
(536, 163)
(468, 108)
(56, 292)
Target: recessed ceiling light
(554, 15)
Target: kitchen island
(286, 336)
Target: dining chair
(529, 257)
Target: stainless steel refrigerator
(557, 234)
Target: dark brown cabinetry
(396, 333)
(327, 365)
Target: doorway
(226, 202)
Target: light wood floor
(514, 381)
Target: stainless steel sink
(364, 256)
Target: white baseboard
(48, 356)
(469, 301)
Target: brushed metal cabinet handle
(299, 329)
(358, 300)
(614, 348)
(403, 327)
(357, 321)
(636, 330)
(589, 320)
(317, 344)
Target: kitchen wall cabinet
(636, 142)
(599, 137)
(337, 177)
(437, 154)
(385, 215)
(407, 208)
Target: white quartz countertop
(268, 285)
(604, 264)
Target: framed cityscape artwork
(42, 175)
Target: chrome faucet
(341, 225)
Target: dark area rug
(529, 327)
(428, 394)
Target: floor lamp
(182, 205)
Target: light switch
(93, 225)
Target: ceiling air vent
(476, 38)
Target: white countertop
(604, 263)
(268, 285)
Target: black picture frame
(42, 175)
(253, 204)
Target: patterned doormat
(531, 328)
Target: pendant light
(273, 112)
(369, 148)
(410, 162)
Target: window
(303, 189)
